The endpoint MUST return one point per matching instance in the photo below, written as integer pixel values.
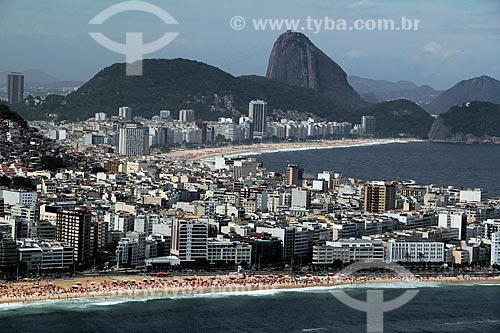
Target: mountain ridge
(175, 84)
(482, 88)
(384, 90)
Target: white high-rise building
(131, 140)
(301, 199)
(186, 116)
(495, 248)
(257, 112)
(451, 219)
(125, 113)
(368, 125)
(100, 116)
(189, 240)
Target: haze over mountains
(300, 80)
(380, 90)
(483, 88)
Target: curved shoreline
(223, 286)
(263, 148)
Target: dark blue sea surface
(436, 308)
(428, 163)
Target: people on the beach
(48, 289)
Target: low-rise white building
(414, 251)
(45, 255)
(348, 250)
(229, 252)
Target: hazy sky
(457, 39)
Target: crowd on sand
(137, 285)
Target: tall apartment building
(294, 175)
(294, 240)
(8, 252)
(15, 88)
(257, 112)
(74, 227)
(244, 167)
(495, 249)
(131, 140)
(379, 197)
(186, 116)
(368, 124)
(454, 219)
(301, 199)
(189, 240)
(125, 113)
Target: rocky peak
(295, 60)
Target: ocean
(461, 165)
(438, 307)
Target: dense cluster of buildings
(118, 206)
(135, 136)
(229, 211)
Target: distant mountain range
(380, 90)
(483, 88)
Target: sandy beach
(259, 148)
(139, 286)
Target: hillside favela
(263, 166)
